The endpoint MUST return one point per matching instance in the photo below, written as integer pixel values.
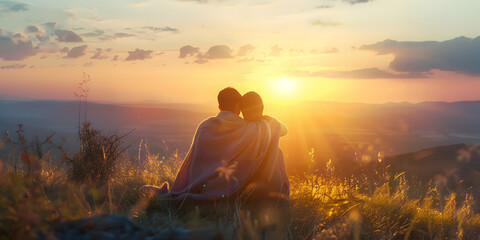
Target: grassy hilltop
(43, 185)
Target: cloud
(101, 54)
(327, 50)
(50, 25)
(326, 24)
(188, 50)
(324, 6)
(275, 51)
(17, 7)
(246, 59)
(214, 52)
(357, 1)
(245, 50)
(123, 35)
(95, 33)
(139, 54)
(352, 2)
(37, 32)
(461, 55)
(200, 61)
(17, 36)
(198, 1)
(32, 29)
(67, 36)
(100, 34)
(161, 29)
(365, 73)
(13, 6)
(75, 52)
(219, 1)
(15, 47)
(115, 58)
(14, 66)
(218, 52)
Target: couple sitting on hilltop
(234, 157)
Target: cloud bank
(461, 55)
(15, 47)
(365, 73)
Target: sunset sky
(185, 51)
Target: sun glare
(285, 86)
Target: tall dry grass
(37, 192)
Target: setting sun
(285, 86)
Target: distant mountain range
(348, 133)
(153, 123)
(4, 96)
(445, 165)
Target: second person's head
(252, 106)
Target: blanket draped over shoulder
(227, 152)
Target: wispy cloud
(139, 54)
(94, 33)
(326, 50)
(101, 53)
(357, 1)
(365, 73)
(161, 29)
(123, 35)
(275, 51)
(326, 24)
(245, 50)
(8, 6)
(325, 6)
(197, 1)
(14, 66)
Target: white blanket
(226, 153)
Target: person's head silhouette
(252, 106)
(229, 100)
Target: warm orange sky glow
(186, 51)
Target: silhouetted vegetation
(97, 159)
(40, 189)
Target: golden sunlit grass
(36, 192)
